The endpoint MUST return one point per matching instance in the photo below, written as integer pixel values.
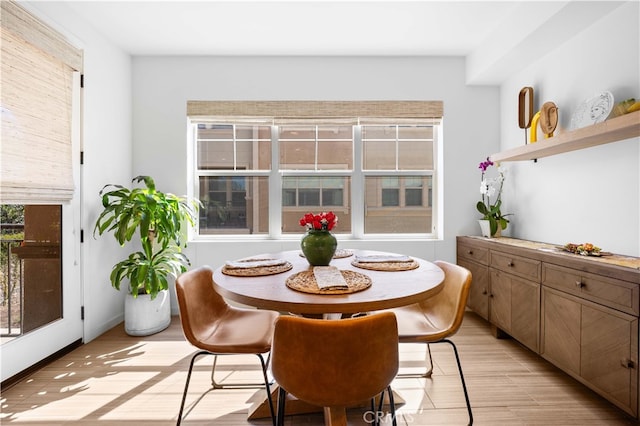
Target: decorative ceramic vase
(318, 247)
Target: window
(316, 163)
(313, 191)
(233, 161)
(39, 79)
(258, 174)
(30, 254)
(398, 166)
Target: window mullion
(315, 157)
(357, 185)
(235, 147)
(397, 147)
(275, 186)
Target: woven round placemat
(339, 254)
(257, 272)
(305, 282)
(387, 266)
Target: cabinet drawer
(616, 294)
(517, 265)
(476, 254)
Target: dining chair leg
(392, 407)
(264, 375)
(373, 409)
(464, 385)
(216, 385)
(426, 374)
(282, 396)
(267, 387)
(186, 385)
(379, 410)
(430, 371)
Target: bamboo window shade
(286, 112)
(36, 100)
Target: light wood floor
(117, 379)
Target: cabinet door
(500, 295)
(525, 312)
(560, 343)
(478, 300)
(609, 354)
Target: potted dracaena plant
(157, 219)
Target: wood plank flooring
(118, 379)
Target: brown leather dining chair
(437, 318)
(335, 363)
(216, 328)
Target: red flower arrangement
(319, 222)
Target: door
(53, 319)
(525, 312)
(561, 330)
(609, 353)
(500, 306)
(478, 300)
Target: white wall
(162, 86)
(106, 137)
(592, 195)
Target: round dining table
(388, 289)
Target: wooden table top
(389, 289)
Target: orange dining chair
(437, 318)
(216, 328)
(335, 363)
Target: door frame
(25, 351)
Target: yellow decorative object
(624, 107)
(533, 135)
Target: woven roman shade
(36, 99)
(286, 112)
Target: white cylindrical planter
(485, 227)
(143, 316)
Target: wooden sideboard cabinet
(579, 313)
(505, 289)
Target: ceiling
(495, 36)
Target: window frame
(353, 197)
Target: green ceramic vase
(318, 247)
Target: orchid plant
(324, 221)
(491, 191)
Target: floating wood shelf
(612, 130)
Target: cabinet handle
(627, 363)
(470, 252)
(484, 291)
(579, 284)
(510, 264)
(491, 295)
